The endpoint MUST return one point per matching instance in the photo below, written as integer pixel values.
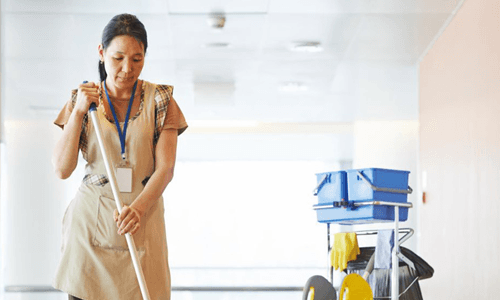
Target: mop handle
(114, 187)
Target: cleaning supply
(354, 287)
(383, 250)
(345, 248)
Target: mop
(116, 194)
(380, 279)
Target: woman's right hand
(88, 93)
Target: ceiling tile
(362, 6)
(319, 6)
(85, 7)
(210, 6)
(52, 35)
(307, 71)
(192, 37)
(333, 32)
(68, 36)
(191, 71)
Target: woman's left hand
(128, 221)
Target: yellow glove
(345, 248)
(355, 288)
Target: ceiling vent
(306, 47)
(216, 45)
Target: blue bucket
(363, 185)
(377, 184)
(332, 187)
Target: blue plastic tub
(360, 190)
(332, 186)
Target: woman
(96, 263)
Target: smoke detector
(216, 21)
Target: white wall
(460, 155)
(385, 133)
(34, 201)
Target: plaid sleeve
(85, 126)
(163, 94)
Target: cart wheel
(355, 288)
(323, 289)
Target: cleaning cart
(366, 196)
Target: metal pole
(114, 187)
(330, 267)
(395, 260)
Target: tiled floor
(175, 296)
(236, 295)
(34, 296)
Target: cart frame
(395, 251)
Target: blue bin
(360, 187)
(360, 190)
(332, 187)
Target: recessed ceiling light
(216, 45)
(306, 47)
(293, 86)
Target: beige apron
(96, 263)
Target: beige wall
(460, 155)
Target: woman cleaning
(140, 122)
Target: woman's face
(123, 61)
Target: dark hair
(124, 24)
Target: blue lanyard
(120, 133)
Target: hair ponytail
(102, 71)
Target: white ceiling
(49, 46)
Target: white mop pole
(116, 194)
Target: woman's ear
(100, 49)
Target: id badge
(124, 177)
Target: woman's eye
(118, 58)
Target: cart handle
(365, 203)
(320, 185)
(379, 189)
(407, 231)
